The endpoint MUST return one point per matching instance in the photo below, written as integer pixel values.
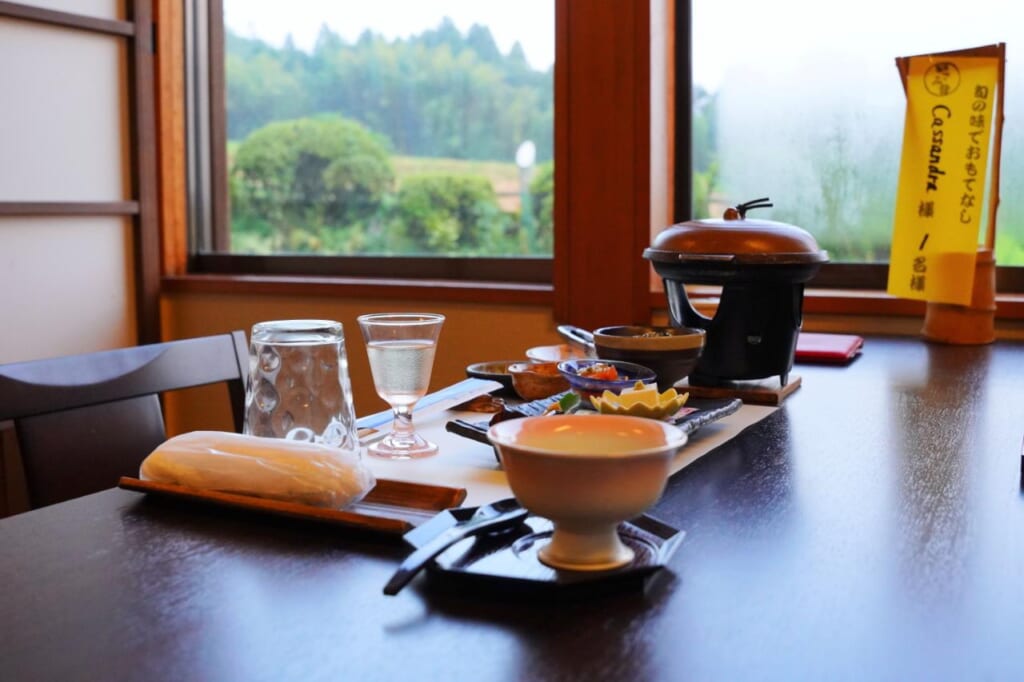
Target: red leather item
(827, 348)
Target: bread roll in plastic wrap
(308, 473)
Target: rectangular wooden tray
(391, 508)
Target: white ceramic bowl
(558, 353)
(586, 473)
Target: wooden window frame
(216, 234)
(602, 104)
(603, 187)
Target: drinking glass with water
(401, 350)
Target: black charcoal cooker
(762, 267)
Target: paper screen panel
(63, 114)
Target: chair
(84, 421)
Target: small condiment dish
(643, 400)
(627, 374)
(536, 380)
(496, 370)
(587, 473)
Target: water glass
(401, 350)
(298, 385)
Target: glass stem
(402, 429)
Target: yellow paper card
(941, 190)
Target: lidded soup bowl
(587, 473)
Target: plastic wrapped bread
(294, 471)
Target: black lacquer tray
(706, 410)
(505, 564)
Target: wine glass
(401, 349)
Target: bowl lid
(736, 239)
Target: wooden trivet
(761, 392)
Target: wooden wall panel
(602, 161)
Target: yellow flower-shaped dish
(643, 400)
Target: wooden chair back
(84, 421)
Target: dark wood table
(872, 528)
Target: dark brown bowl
(670, 351)
(496, 370)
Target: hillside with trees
(439, 93)
(313, 137)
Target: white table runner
(465, 463)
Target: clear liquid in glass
(401, 369)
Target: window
(396, 138)
(795, 102)
(602, 56)
(605, 186)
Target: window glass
(801, 101)
(390, 127)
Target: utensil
(498, 515)
(577, 336)
(510, 564)
(1022, 466)
(401, 349)
(439, 401)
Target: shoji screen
(78, 258)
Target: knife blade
(438, 401)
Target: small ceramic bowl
(586, 473)
(557, 353)
(536, 380)
(629, 373)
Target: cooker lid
(736, 239)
